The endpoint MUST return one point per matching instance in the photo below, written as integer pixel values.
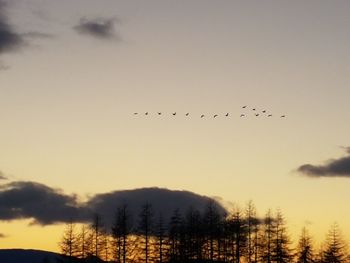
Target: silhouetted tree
(238, 232)
(281, 249)
(83, 242)
(120, 231)
(175, 235)
(145, 227)
(267, 238)
(161, 239)
(211, 219)
(194, 233)
(97, 235)
(335, 246)
(69, 242)
(251, 224)
(305, 252)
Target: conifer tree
(281, 248)
(305, 251)
(335, 246)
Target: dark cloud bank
(45, 205)
(334, 168)
(102, 28)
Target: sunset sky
(72, 73)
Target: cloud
(46, 205)
(162, 200)
(2, 176)
(102, 28)
(10, 40)
(3, 67)
(334, 168)
(37, 35)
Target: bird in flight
(146, 113)
(245, 106)
(159, 113)
(215, 115)
(257, 114)
(283, 116)
(226, 114)
(174, 113)
(254, 109)
(264, 111)
(202, 116)
(270, 115)
(187, 113)
(135, 113)
(242, 115)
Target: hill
(30, 256)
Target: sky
(72, 74)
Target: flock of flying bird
(254, 110)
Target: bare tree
(212, 219)
(97, 236)
(69, 242)
(251, 223)
(83, 242)
(120, 231)
(161, 244)
(145, 227)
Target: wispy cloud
(46, 205)
(10, 40)
(37, 35)
(102, 28)
(339, 167)
(2, 176)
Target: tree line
(197, 236)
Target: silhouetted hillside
(30, 256)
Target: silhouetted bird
(283, 116)
(226, 114)
(146, 113)
(244, 107)
(159, 113)
(270, 115)
(187, 113)
(202, 116)
(135, 113)
(264, 111)
(254, 109)
(257, 114)
(215, 115)
(174, 113)
(242, 115)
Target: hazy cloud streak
(102, 28)
(2, 176)
(10, 40)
